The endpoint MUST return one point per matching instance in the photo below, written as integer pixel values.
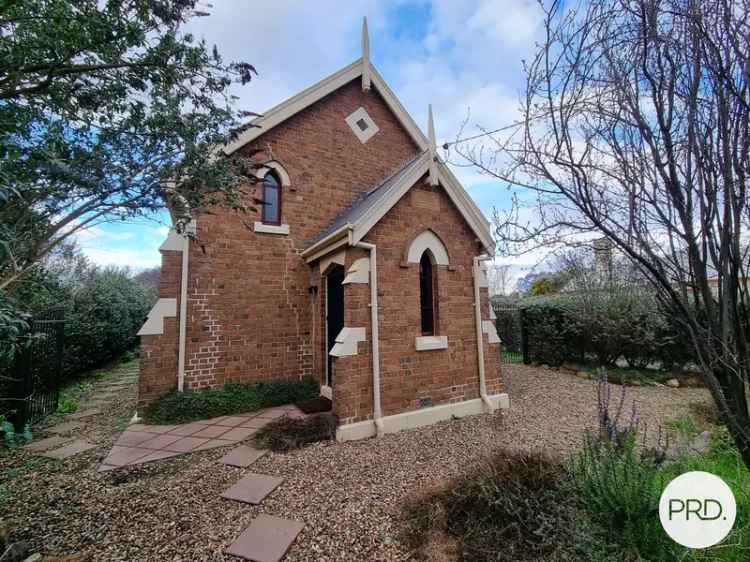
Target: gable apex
(360, 68)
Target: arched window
(271, 213)
(428, 294)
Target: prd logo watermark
(697, 509)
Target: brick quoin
(256, 310)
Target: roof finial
(433, 146)
(365, 56)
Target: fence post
(524, 337)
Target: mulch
(315, 405)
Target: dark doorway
(334, 312)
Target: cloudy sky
(463, 57)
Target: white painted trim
(488, 327)
(328, 244)
(484, 282)
(480, 339)
(359, 272)
(433, 146)
(326, 392)
(429, 343)
(339, 258)
(263, 228)
(427, 240)
(173, 243)
(419, 418)
(371, 130)
(365, 56)
(346, 342)
(260, 173)
(154, 325)
(493, 316)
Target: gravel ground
(348, 495)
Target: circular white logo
(697, 509)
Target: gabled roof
(355, 222)
(316, 92)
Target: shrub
(232, 398)
(512, 507)
(286, 434)
(102, 319)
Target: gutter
(376, 410)
(480, 339)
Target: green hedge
(232, 398)
(604, 327)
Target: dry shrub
(706, 412)
(286, 434)
(511, 507)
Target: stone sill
(429, 343)
(282, 229)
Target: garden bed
(69, 508)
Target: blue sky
(463, 56)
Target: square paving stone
(185, 445)
(188, 429)
(252, 488)
(47, 443)
(121, 456)
(211, 431)
(213, 444)
(231, 421)
(133, 438)
(160, 441)
(65, 427)
(239, 433)
(243, 456)
(266, 539)
(157, 456)
(84, 414)
(256, 423)
(77, 446)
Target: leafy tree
(541, 286)
(636, 126)
(108, 110)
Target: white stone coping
(346, 342)
(421, 417)
(282, 229)
(429, 343)
(359, 272)
(371, 128)
(488, 327)
(154, 325)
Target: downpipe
(480, 339)
(376, 411)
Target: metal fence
(511, 331)
(35, 373)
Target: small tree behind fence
(32, 384)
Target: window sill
(282, 229)
(428, 343)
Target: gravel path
(348, 495)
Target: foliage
(12, 438)
(541, 286)
(101, 105)
(102, 318)
(232, 398)
(70, 396)
(287, 434)
(510, 507)
(604, 325)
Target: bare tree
(636, 126)
(500, 279)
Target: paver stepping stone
(243, 456)
(120, 456)
(47, 443)
(239, 433)
(84, 414)
(256, 423)
(266, 539)
(252, 488)
(77, 446)
(65, 427)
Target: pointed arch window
(428, 294)
(271, 212)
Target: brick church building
(362, 268)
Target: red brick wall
(159, 353)
(408, 376)
(250, 313)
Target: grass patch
(286, 434)
(511, 507)
(630, 376)
(70, 396)
(232, 398)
